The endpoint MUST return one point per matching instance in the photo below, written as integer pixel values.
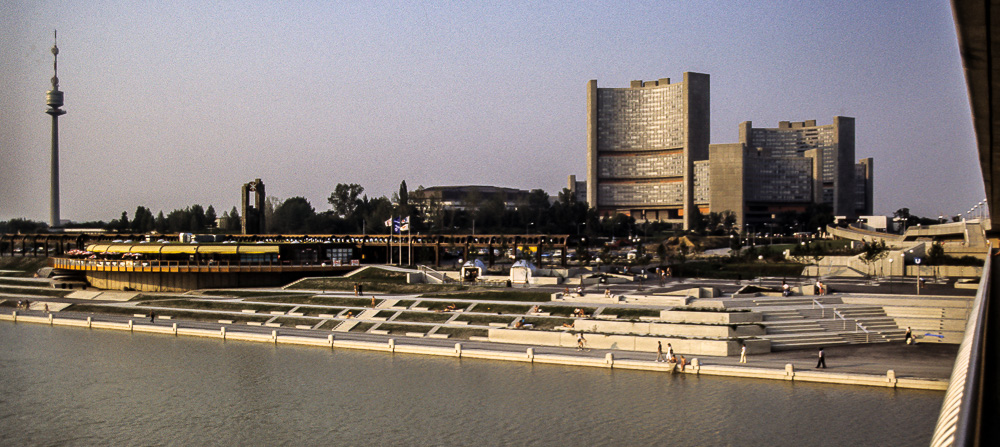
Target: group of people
(821, 288)
(579, 313)
(663, 274)
(669, 356)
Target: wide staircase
(805, 323)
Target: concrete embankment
(460, 351)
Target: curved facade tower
(643, 145)
(54, 99)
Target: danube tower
(54, 99)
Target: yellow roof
(227, 249)
(156, 248)
(256, 249)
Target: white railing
(961, 421)
(444, 279)
(821, 307)
(857, 325)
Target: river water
(74, 386)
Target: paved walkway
(924, 361)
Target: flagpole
(409, 239)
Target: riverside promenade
(895, 365)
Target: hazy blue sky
(181, 103)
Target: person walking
(909, 335)
(659, 351)
(580, 341)
(822, 359)
(743, 353)
(670, 353)
(152, 317)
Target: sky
(175, 103)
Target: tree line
(350, 210)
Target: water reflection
(77, 386)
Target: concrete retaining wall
(668, 329)
(688, 316)
(182, 282)
(685, 346)
(528, 355)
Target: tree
(872, 252)
(19, 225)
(142, 220)
(197, 217)
(292, 215)
(403, 200)
(344, 199)
(161, 223)
(270, 204)
(233, 224)
(935, 254)
(210, 217)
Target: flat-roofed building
(643, 143)
(831, 146)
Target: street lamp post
(917, 260)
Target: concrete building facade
(648, 157)
(643, 143)
(831, 146)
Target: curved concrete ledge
(529, 356)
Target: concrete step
(763, 302)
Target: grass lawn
(625, 313)
(385, 313)
(202, 316)
(547, 323)
(484, 320)
(462, 332)
(517, 309)
(372, 285)
(406, 303)
(249, 293)
(316, 311)
(424, 317)
(494, 295)
(35, 292)
(97, 309)
(400, 329)
(362, 327)
(27, 265)
(218, 305)
(328, 325)
(564, 311)
(322, 300)
(295, 321)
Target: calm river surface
(69, 386)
